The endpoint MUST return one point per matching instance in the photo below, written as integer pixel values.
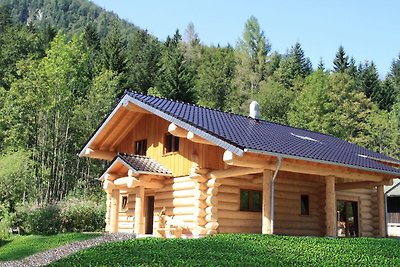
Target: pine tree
(341, 61)
(143, 56)
(91, 37)
(113, 51)
(295, 65)
(369, 80)
(176, 81)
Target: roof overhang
(393, 174)
(120, 167)
(125, 102)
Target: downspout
(386, 216)
(278, 166)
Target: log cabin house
(218, 172)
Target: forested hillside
(63, 64)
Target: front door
(347, 218)
(149, 214)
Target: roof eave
(109, 117)
(256, 151)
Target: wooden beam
(139, 210)
(266, 202)
(355, 185)
(134, 108)
(129, 182)
(197, 139)
(110, 176)
(232, 172)
(330, 206)
(381, 210)
(125, 131)
(114, 211)
(299, 166)
(98, 154)
(177, 131)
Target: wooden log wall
(127, 217)
(287, 216)
(178, 197)
(230, 218)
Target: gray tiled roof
(239, 133)
(143, 164)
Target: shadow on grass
(4, 242)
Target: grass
(19, 247)
(241, 250)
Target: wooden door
(347, 218)
(149, 214)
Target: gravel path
(47, 257)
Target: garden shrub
(82, 215)
(72, 215)
(5, 221)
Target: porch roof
(137, 164)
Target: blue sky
(368, 30)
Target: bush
(82, 215)
(5, 222)
(71, 215)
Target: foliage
(251, 68)
(294, 66)
(240, 250)
(63, 65)
(70, 215)
(15, 178)
(214, 77)
(19, 247)
(82, 215)
(273, 99)
(176, 77)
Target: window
(305, 205)
(124, 203)
(171, 143)
(250, 200)
(141, 147)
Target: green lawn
(19, 247)
(241, 250)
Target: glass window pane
(244, 200)
(304, 202)
(168, 145)
(256, 201)
(176, 144)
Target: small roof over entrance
(137, 165)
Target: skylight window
(305, 137)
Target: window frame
(306, 199)
(251, 207)
(124, 202)
(143, 145)
(175, 144)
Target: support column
(108, 210)
(266, 204)
(381, 210)
(139, 209)
(330, 206)
(114, 211)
